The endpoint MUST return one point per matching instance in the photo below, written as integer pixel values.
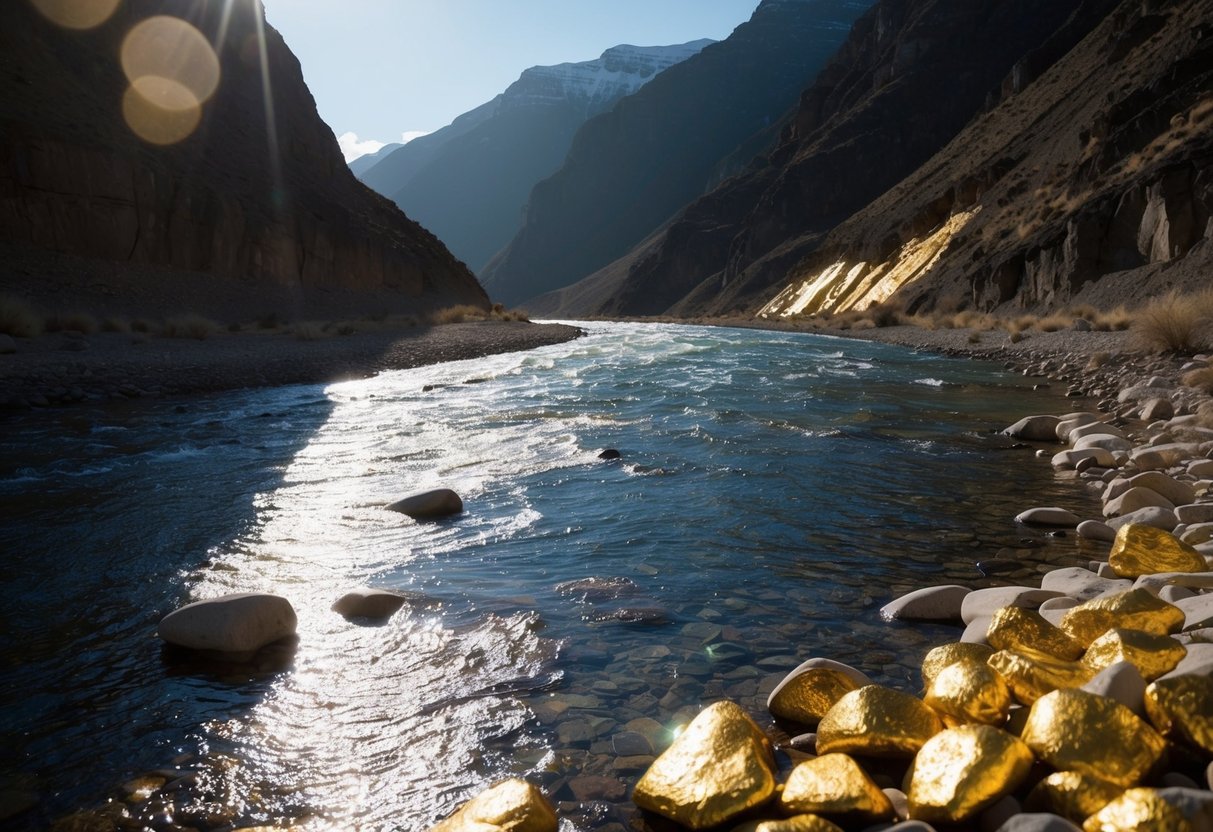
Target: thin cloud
(352, 147)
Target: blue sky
(382, 68)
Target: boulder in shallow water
(1048, 516)
(238, 623)
(369, 603)
(429, 505)
(512, 806)
(610, 453)
(932, 603)
(1035, 428)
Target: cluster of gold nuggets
(989, 715)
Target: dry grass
(1201, 379)
(71, 322)
(1175, 323)
(17, 318)
(188, 326)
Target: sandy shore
(66, 368)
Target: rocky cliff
(468, 182)
(1092, 184)
(908, 79)
(631, 168)
(252, 211)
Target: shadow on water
(109, 515)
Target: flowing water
(774, 490)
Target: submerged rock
(239, 623)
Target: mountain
(910, 76)
(468, 183)
(244, 215)
(1093, 184)
(631, 168)
(364, 163)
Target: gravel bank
(66, 368)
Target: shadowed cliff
(253, 211)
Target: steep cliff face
(1095, 184)
(910, 76)
(631, 168)
(468, 183)
(253, 211)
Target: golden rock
(1030, 675)
(970, 691)
(1071, 795)
(719, 767)
(1073, 730)
(811, 689)
(1013, 628)
(512, 806)
(948, 654)
(1183, 705)
(1133, 609)
(1143, 550)
(799, 823)
(876, 720)
(835, 785)
(1152, 655)
(1139, 810)
(963, 770)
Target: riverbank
(67, 368)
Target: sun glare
(173, 70)
(77, 14)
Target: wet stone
(631, 744)
(702, 632)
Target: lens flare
(157, 124)
(77, 14)
(173, 71)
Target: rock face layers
(907, 80)
(630, 169)
(1091, 184)
(469, 182)
(254, 212)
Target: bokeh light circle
(157, 124)
(169, 47)
(172, 70)
(77, 14)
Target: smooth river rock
(1048, 516)
(239, 623)
(983, 603)
(1041, 428)
(429, 505)
(1134, 499)
(932, 603)
(369, 603)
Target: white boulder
(238, 623)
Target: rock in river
(429, 505)
(238, 623)
(369, 603)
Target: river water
(775, 489)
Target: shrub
(1055, 322)
(345, 327)
(188, 326)
(457, 314)
(115, 325)
(141, 325)
(886, 313)
(1174, 322)
(72, 322)
(18, 319)
(1201, 379)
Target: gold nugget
(719, 767)
(799, 823)
(811, 689)
(1072, 795)
(1073, 730)
(970, 691)
(1143, 550)
(1013, 628)
(1183, 705)
(877, 721)
(1133, 609)
(835, 785)
(962, 770)
(948, 654)
(512, 806)
(1139, 810)
(1030, 675)
(1152, 655)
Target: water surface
(774, 490)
